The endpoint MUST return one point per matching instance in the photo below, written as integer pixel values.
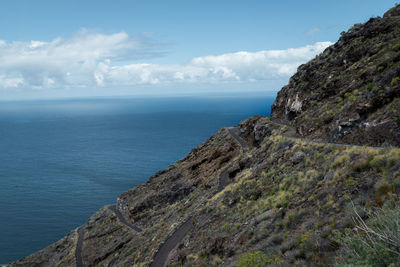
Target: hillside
(279, 189)
(349, 93)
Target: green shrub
(363, 164)
(395, 81)
(292, 217)
(375, 242)
(253, 259)
(227, 227)
(340, 160)
(370, 86)
(396, 47)
(382, 187)
(339, 99)
(258, 259)
(130, 251)
(350, 181)
(377, 161)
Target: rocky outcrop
(255, 129)
(351, 92)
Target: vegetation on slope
(376, 241)
(351, 92)
(289, 202)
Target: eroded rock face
(293, 107)
(351, 92)
(255, 129)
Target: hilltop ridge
(350, 92)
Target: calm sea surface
(62, 160)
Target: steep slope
(275, 191)
(351, 92)
(284, 197)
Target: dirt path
(161, 257)
(122, 219)
(234, 132)
(290, 137)
(331, 144)
(224, 176)
(78, 249)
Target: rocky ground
(351, 92)
(284, 197)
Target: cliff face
(271, 186)
(351, 92)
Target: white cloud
(233, 67)
(10, 82)
(64, 62)
(92, 59)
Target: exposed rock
(255, 129)
(298, 157)
(329, 175)
(293, 107)
(351, 84)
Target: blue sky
(94, 48)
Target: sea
(61, 160)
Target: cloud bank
(93, 59)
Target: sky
(53, 49)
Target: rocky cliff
(274, 190)
(349, 93)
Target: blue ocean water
(61, 160)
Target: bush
(382, 187)
(292, 217)
(256, 259)
(340, 160)
(375, 242)
(227, 227)
(370, 86)
(395, 81)
(396, 47)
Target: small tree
(375, 242)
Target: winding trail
(234, 132)
(161, 256)
(122, 219)
(327, 143)
(320, 142)
(224, 176)
(78, 248)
